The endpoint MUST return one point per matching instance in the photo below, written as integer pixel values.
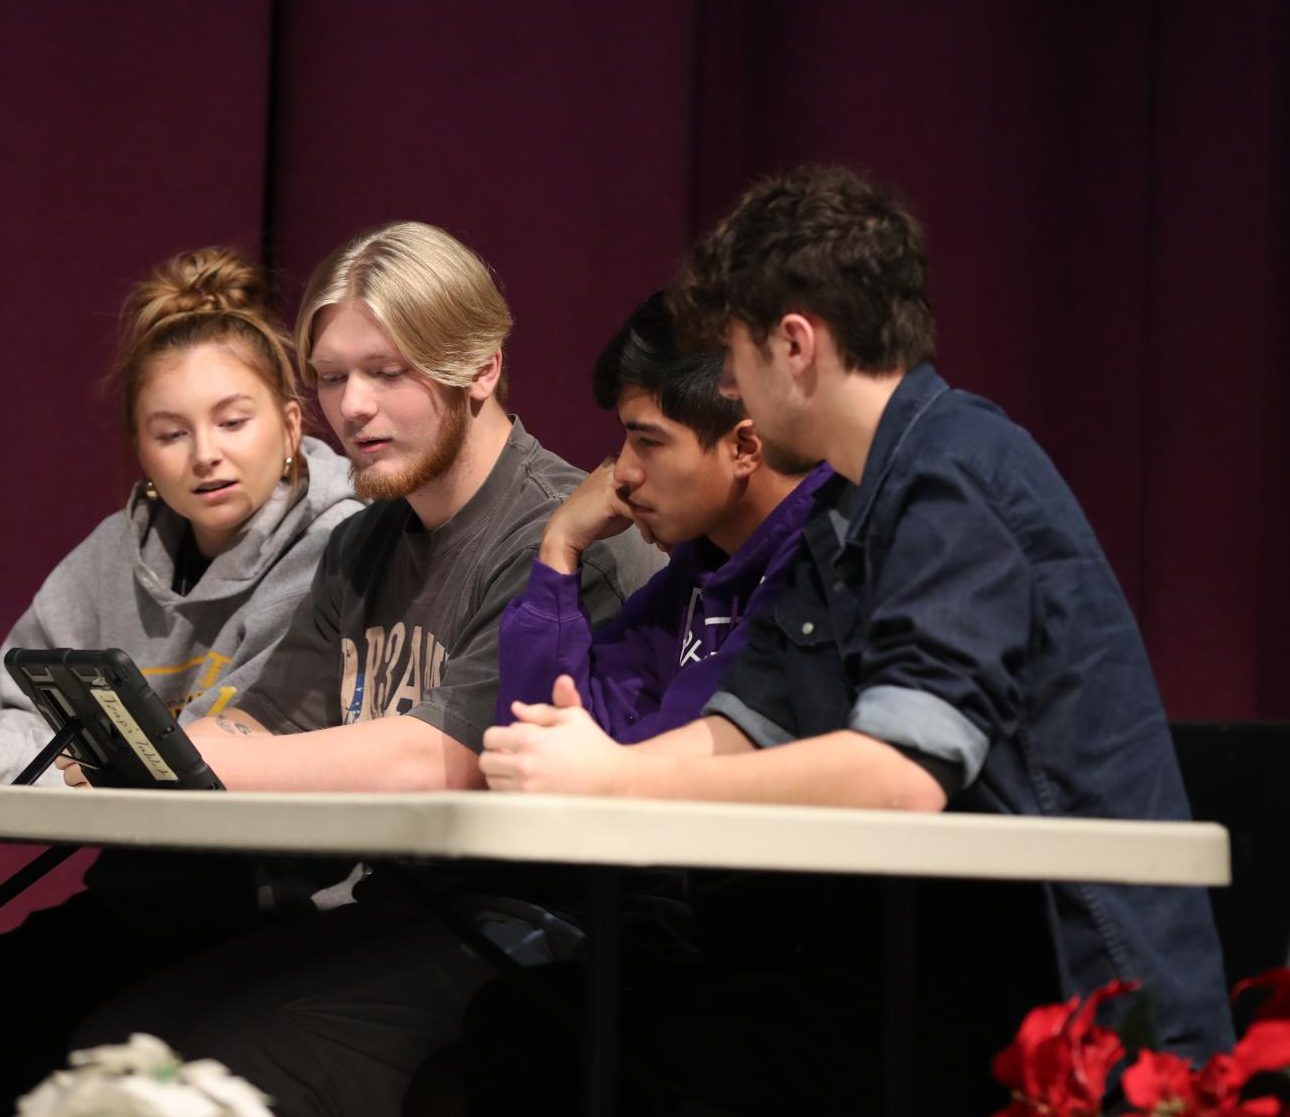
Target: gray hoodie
(199, 650)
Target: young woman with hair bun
(197, 576)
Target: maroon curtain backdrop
(1104, 184)
(130, 131)
(555, 139)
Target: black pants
(784, 1011)
(722, 1042)
(328, 1012)
(54, 968)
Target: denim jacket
(956, 605)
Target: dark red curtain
(1104, 185)
(130, 131)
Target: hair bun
(211, 280)
(211, 296)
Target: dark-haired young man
(954, 635)
(693, 475)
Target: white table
(585, 831)
(636, 833)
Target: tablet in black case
(127, 736)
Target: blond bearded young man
(359, 696)
(385, 681)
(954, 636)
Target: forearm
(592, 511)
(673, 703)
(558, 748)
(559, 553)
(567, 534)
(384, 754)
(704, 737)
(841, 769)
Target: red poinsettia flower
(1218, 1092)
(1265, 1046)
(1161, 1082)
(1277, 1005)
(1059, 1061)
(1166, 1084)
(1218, 1085)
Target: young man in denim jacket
(954, 637)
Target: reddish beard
(437, 459)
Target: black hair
(644, 354)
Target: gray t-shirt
(401, 620)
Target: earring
(286, 468)
(149, 489)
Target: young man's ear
(799, 337)
(809, 350)
(484, 383)
(745, 444)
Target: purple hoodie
(654, 666)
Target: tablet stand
(49, 753)
(54, 856)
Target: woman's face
(212, 439)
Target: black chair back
(1238, 774)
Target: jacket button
(808, 628)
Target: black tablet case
(127, 735)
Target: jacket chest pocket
(805, 627)
(816, 681)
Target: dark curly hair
(821, 240)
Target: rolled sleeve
(948, 624)
(758, 728)
(923, 723)
(912, 634)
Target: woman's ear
(293, 428)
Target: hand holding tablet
(107, 719)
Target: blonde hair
(436, 299)
(208, 296)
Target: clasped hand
(552, 748)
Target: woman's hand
(73, 774)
